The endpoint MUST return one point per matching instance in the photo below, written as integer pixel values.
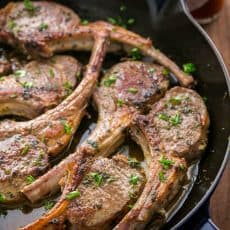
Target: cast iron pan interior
(173, 32)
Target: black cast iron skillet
(174, 31)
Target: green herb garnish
(51, 72)
(72, 195)
(67, 127)
(112, 20)
(189, 68)
(120, 102)
(49, 204)
(131, 21)
(20, 73)
(30, 179)
(175, 120)
(133, 180)
(27, 85)
(110, 80)
(97, 178)
(165, 72)
(132, 90)
(2, 197)
(11, 24)
(165, 162)
(29, 5)
(162, 177)
(43, 26)
(135, 54)
(175, 100)
(68, 88)
(163, 116)
(25, 150)
(133, 163)
(84, 22)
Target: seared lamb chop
(55, 127)
(125, 89)
(128, 86)
(106, 192)
(38, 86)
(175, 131)
(47, 27)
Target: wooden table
(219, 31)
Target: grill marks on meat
(174, 130)
(38, 86)
(21, 160)
(62, 32)
(99, 205)
(113, 118)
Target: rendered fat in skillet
(55, 127)
(47, 27)
(117, 105)
(38, 86)
(171, 135)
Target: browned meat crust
(38, 86)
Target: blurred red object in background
(205, 11)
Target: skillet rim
(220, 60)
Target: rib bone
(178, 142)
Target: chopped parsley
(182, 167)
(165, 72)
(176, 119)
(49, 204)
(29, 5)
(175, 100)
(25, 150)
(43, 26)
(84, 22)
(110, 80)
(161, 176)
(30, 179)
(152, 70)
(132, 90)
(97, 178)
(189, 68)
(135, 54)
(163, 116)
(27, 85)
(72, 195)
(51, 72)
(130, 206)
(205, 99)
(11, 24)
(131, 21)
(2, 197)
(20, 73)
(122, 19)
(165, 162)
(134, 179)
(68, 88)
(67, 127)
(120, 102)
(133, 163)
(93, 144)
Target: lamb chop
(54, 128)
(106, 193)
(171, 135)
(125, 89)
(38, 86)
(47, 27)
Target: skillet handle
(206, 222)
